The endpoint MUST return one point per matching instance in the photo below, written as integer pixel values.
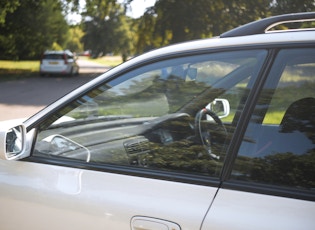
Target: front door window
(175, 115)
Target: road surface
(23, 98)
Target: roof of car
(215, 43)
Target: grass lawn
(15, 70)
(106, 60)
(31, 66)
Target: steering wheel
(205, 135)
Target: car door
(271, 185)
(139, 149)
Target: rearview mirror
(12, 140)
(221, 107)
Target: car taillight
(65, 59)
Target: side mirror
(221, 107)
(12, 140)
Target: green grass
(110, 61)
(15, 70)
(30, 66)
(274, 117)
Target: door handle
(148, 223)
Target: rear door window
(53, 56)
(279, 145)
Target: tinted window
(154, 116)
(279, 144)
(53, 56)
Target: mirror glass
(221, 107)
(14, 140)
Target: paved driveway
(23, 98)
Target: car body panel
(91, 199)
(243, 210)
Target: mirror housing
(12, 140)
(221, 107)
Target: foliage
(55, 46)
(285, 169)
(181, 20)
(7, 7)
(189, 19)
(292, 6)
(146, 37)
(31, 29)
(74, 39)
(106, 29)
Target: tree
(189, 19)
(29, 27)
(146, 38)
(74, 39)
(7, 7)
(181, 20)
(33, 27)
(292, 6)
(106, 28)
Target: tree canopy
(29, 27)
(106, 28)
(182, 20)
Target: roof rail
(263, 25)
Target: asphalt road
(23, 98)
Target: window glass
(279, 144)
(53, 56)
(174, 115)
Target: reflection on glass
(146, 117)
(279, 143)
(14, 141)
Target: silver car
(210, 134)
(58, 62)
